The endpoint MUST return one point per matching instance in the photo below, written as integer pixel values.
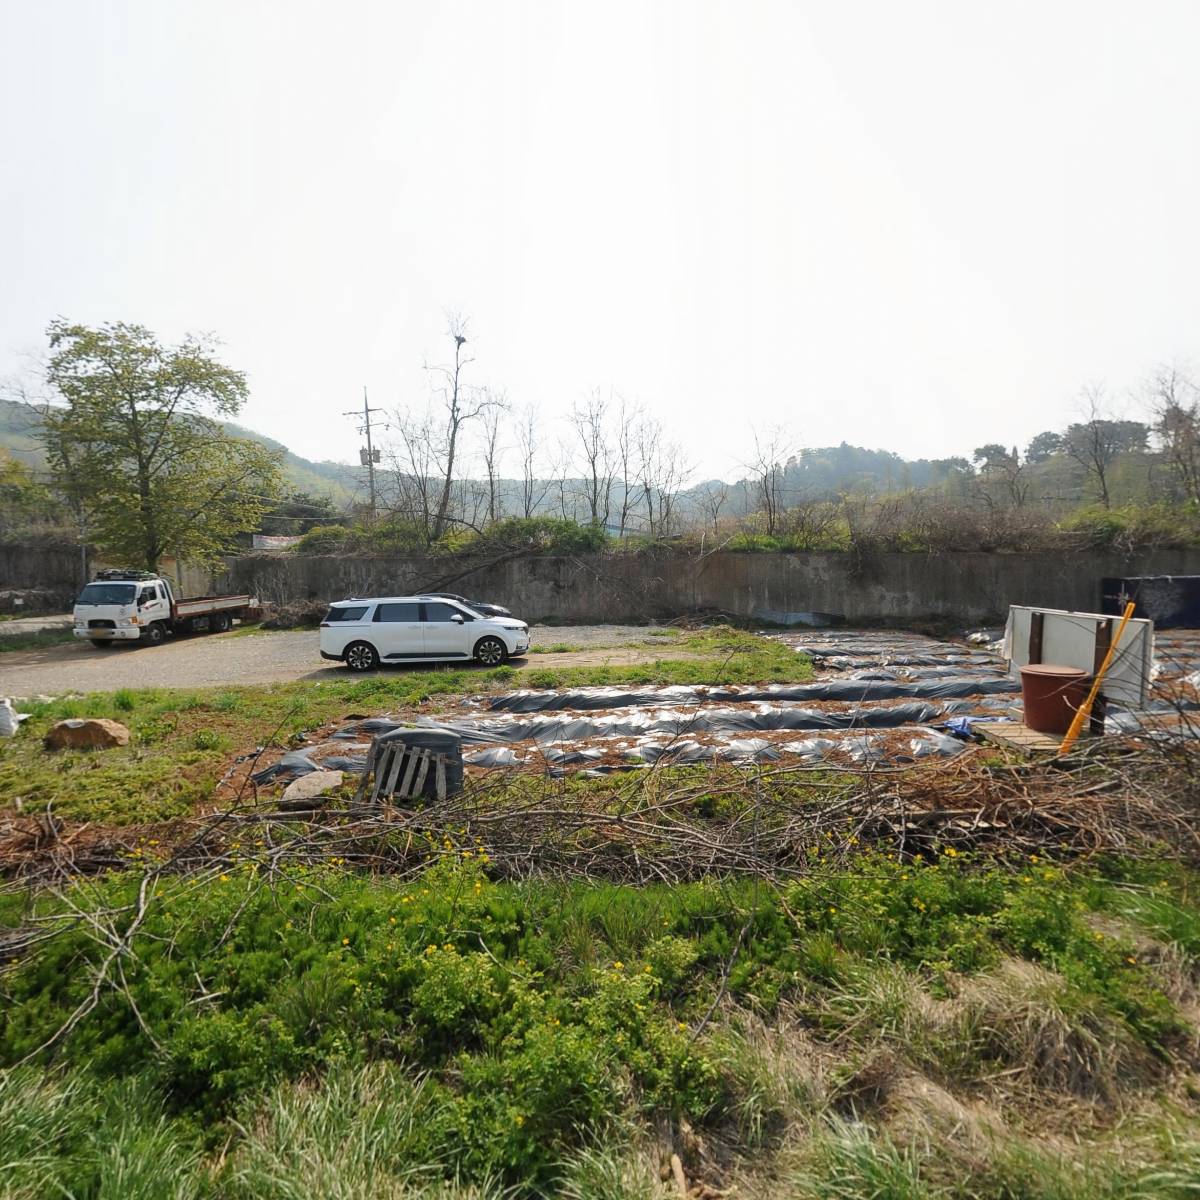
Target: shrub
(1133, 527)
(534, 535)
(326, 539)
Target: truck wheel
(100, 643)
(361, 656)
(490, 651)
(152, 635)
(220, 622)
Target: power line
(368, 457)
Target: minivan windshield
(106, 593)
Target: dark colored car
(484, 610)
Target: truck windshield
(106, 593)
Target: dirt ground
(274, 657)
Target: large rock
(306, 792)
(91, 733)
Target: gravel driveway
(272, 657)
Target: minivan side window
(346, 614)
(437, 611)
(398, 612)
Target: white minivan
(362, 633)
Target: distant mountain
(339, 481)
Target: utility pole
(370, 456)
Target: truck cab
(122, 606)
(138, 606)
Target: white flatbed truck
(138, 606)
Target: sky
(918, 227)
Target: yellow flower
(224, 878)
(618, 966)
(646, 969)
(519, 1119)
(345, 941)
(950, 852)
(1130, 959)
(832, 909)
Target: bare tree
(713, 499)
(766, 468)
(1176, 405)
(628, 450)
(1096, 441)
(534, 487)
(492, 452)
(662, 472)
(461, 405)
(414, 468)
(431, 444)
(589, 421)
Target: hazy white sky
(917, 226)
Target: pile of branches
(1123, 797)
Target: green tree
(297, 513)
(1043, 446)
(23, 500)
(993, 458)
(137, 440)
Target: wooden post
(1037, 621)
(1104, 632)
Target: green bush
(525, 1019)
(534, 535)
(1133, 527)
(326, 539)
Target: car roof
(389, 599)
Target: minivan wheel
(491, 652)
(361, 656)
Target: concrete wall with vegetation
(621, 587)
(44, 565)
(647, 586)
(56, 567)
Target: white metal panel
(1069, 639)
(196, 608)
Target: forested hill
(340, 481)
(1054, 466)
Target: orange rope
(1085, 709)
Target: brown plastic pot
(1052, 695)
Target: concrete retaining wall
(50, 568)
(972, 588)
(56, 568)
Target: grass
(35, 641)
(452, 1035)
(944, 1027)
(182, 739)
